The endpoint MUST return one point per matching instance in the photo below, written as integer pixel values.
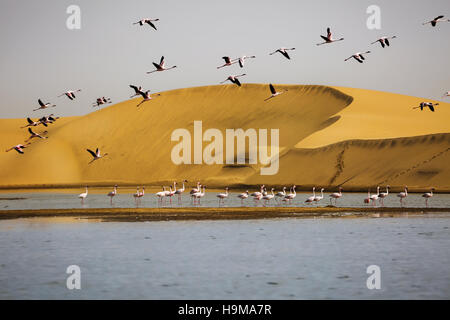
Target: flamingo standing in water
(368, 199)
(112, 194)
(19, 148)
(311, 199)
(273, 92)
(328, 38)
(161, 195)
(268, 197)
(180, 191)
(228, 62)
(383, 195)
(358, 56)
(172, 192)
(243, 196)
(234, 79)
(222, 196)
(336, 196)
(375, 197)
(318, 198)
(69, 94)
(161, 66)
(283, 51)
(427, 196)
(281, 194)
(147, 97)
(141, 194)
(291, 196)
(83, 195)
(384, 41)
(198, 195)
(44, 105)
(403, 195)
(258, 194)
(435, 21)
(147, 21)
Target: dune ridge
(328, 136)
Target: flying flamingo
(100, 101)
(45, 120)
(147, 21)
(384, 41)
(383, 195)
(435, 21)
(291, 195)
(44, 105)
(336, 196)
(160, 66)
(180, 191)
(243, 196)
(368, 199)
(268, 197)
(137, 90)
(375, 197)
(403, 195)
(329, 38)
(19, 148)
(69, 94)
(318, 198)
(243, 58)
(35, 135)
(446, 95)
(423, 105)
(222, 196)
(96, 155)
(311, 199)
(427, 196)
(112, 194)
(32, 123)
(274, 92)
(358, 56)
(283, 51)
(147, 97)
(83, 195)
(234, 79)
(228, 62)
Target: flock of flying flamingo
(261, 196)
(199, 192)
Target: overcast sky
(42, 58)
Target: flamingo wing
(135, 88)
(91, 152)
(150, 24)
(284, 53)
(324, 38)
(272, 89)
(161, 62)
(236, 81)
(227, 59)
(387, 42)
(31, 131)
(41, 103)
(431, 107)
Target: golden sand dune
(324, 136)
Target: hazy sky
(42, 58)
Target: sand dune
(328, 136)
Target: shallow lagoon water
(250, 259)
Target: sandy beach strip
(174, 214)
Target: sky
(42, 58)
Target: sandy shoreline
(173, 214)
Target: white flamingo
(228, 62)
(436, 20)
(180, 191)
(427, 196)
(69, 94)
(136, 195)
(283, 51)
(172, 192)
(222, 196)
(147, 97)
(141, 194)
(147, 21)
(318, 198)
(234, 79)
(19, 148)
(311, 199)
(243, 58)
(358, 56)
(375, 197)
(291, 196)
(368, 199)
(328, 38)
(198, 195)
(35, 135)
(269, 197)
(83, 195)
(112, 194)
(383, 195)
(384, 41)
(273, 92)
(44, 105)
(403, 195)
(281, 194)
(424, 105)
(336, 196)
(243, 196)
(160, 66)
(161, 195)
(96, 155)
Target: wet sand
(244, 213)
